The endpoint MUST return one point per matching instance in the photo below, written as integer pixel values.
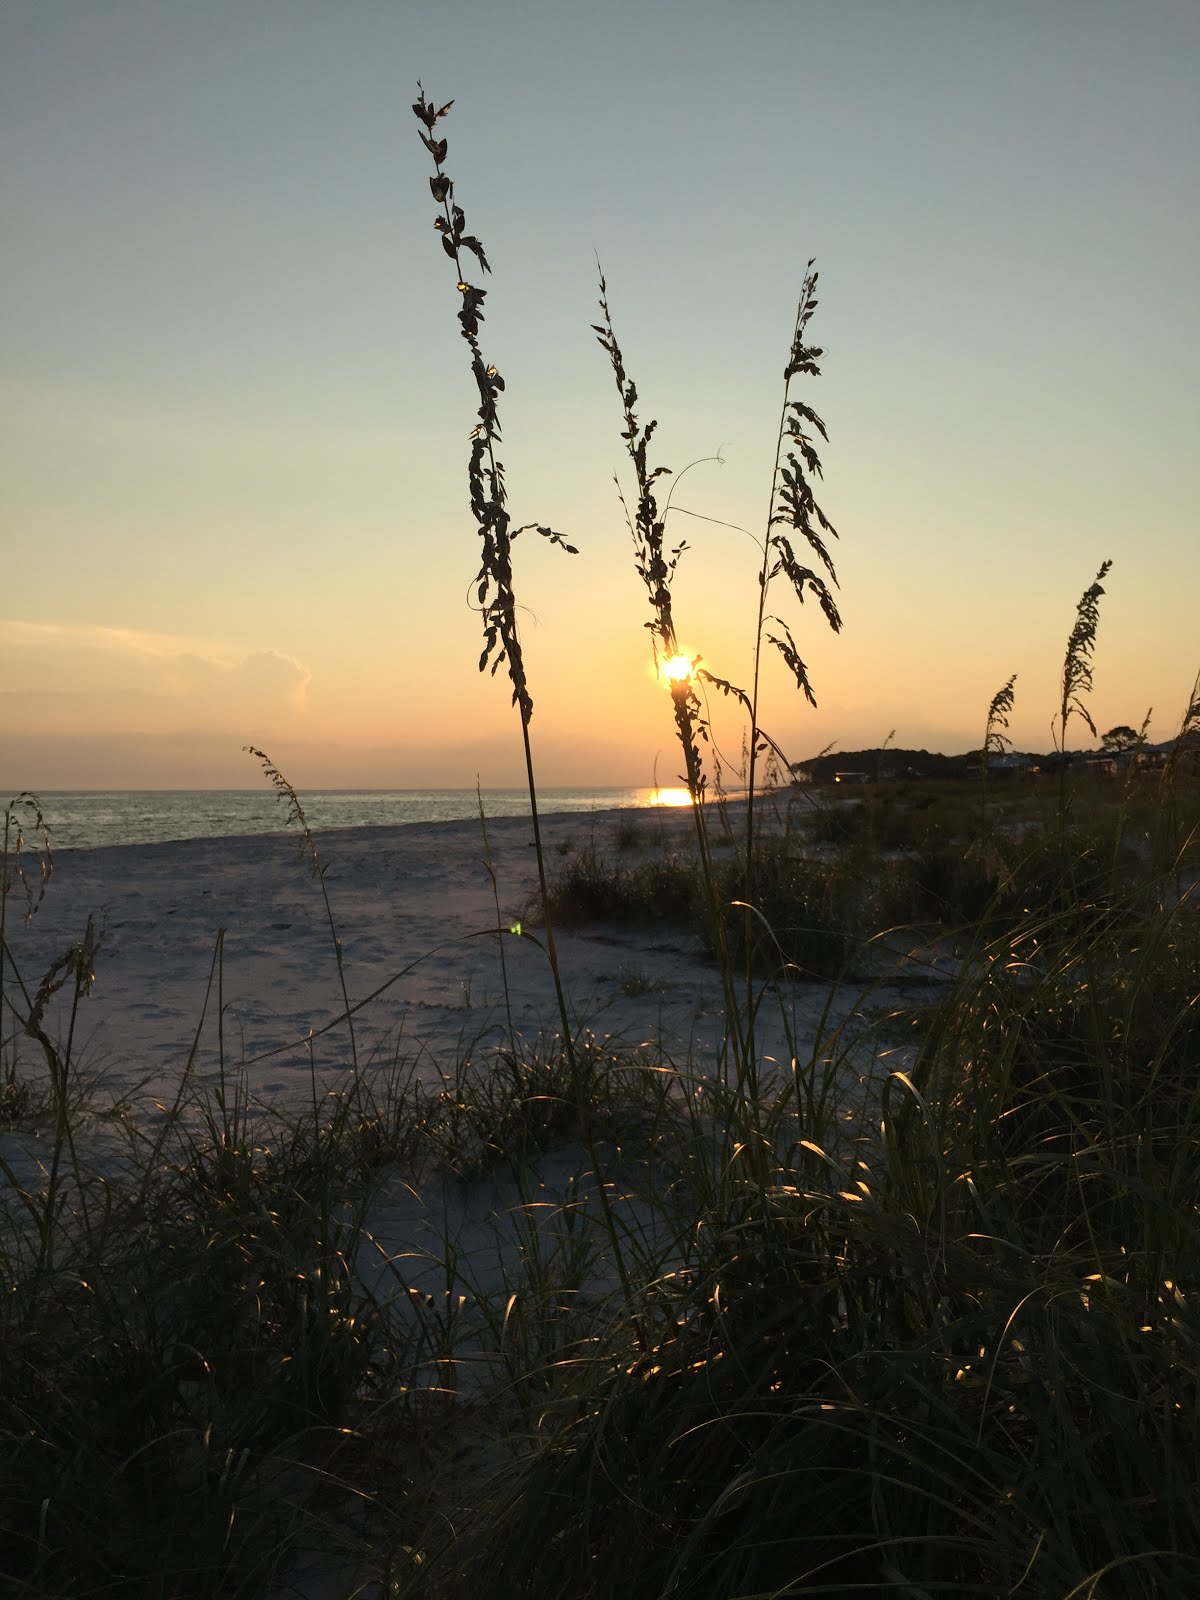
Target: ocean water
(86, 819)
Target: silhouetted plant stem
(763, 581)
(308, 843)
(491, 872)
(753, 751)
(995, 737)
(1186, 749)
(76, 964)
(1077, 676)
(792, 505)
(494, 582)
(656, 566)
(551, 946)
(14, 873)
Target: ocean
(87, 819)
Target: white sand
(414, 909)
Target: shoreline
(74, 827)
(378, 830)
(100, 819)
(416, 913)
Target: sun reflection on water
(670, 797)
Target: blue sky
(234, 404)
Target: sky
(235, 405)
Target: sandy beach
(415, 910)
(221, 948)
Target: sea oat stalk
(485, 474)
(494, 584)
(1077, 666)
(308, 845)
(1077, 676)
(656, 565)
(793, 511)
(995, 736)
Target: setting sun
(676, 669)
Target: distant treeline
(887, 763)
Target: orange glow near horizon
(670, 797)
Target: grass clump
(175, 1368)
(589, 887)
(797, 924)
(954, 1354)
(26, 865)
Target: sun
(676, 669)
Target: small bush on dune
(951, 885)
(588, 887)
(837, 824)
(806, 917)
(628, 834)
(801, 922)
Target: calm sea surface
(85, 819)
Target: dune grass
(949, 1346)
(912, 1316)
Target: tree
(1119, 738)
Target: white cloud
(80, 674)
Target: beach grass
(948, 1345)
(907, 1309)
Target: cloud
(71, 676)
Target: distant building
(1103, 765)
(851, 777)
(1009, 765)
